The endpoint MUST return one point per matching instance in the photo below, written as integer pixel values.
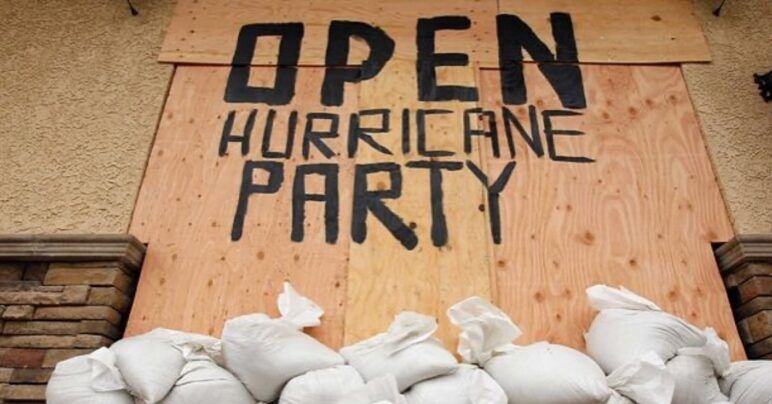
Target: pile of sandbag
(628, 325)
(258, 359)
(636, 353)
(549, 373)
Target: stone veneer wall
(746, 266)
(60, 296)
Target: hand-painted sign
(514, 36)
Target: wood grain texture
(642, 215)
(384, 278)
(621, 31)
(607, 31)
(205, 31)
(194, 277)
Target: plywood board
(641, 211)
(607, 31)
(384, 278)
(205, 31)
(622, 31)
(642, 215)
(194, 276)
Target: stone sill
(124, 248)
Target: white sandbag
(381, 390)
(695, 371)
(628, 326)
(266, 353)
(203, 382)
(322, 386)
(645, 380)
(406, 350)
(695, 380)
(88, 379)
(549, 373)
(149, 366)
(748, 382)
(468, 384)
(188, 341)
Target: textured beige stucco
(80, 95)
(736, 122)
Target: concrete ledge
(124, 248)
(743, 249)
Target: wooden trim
(742, 249)
(72, 247)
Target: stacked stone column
(746, 266)
(60, 296)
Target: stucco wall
(736, 122)
(80, 95)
